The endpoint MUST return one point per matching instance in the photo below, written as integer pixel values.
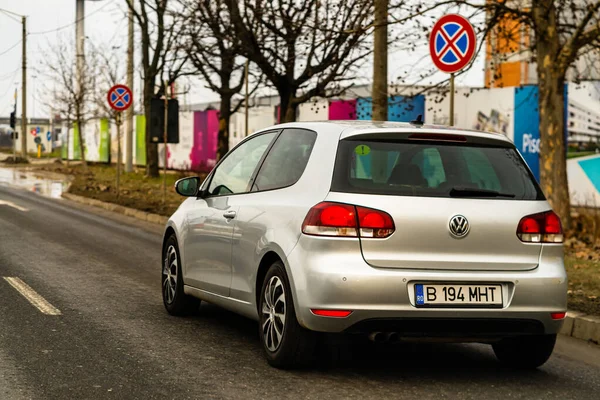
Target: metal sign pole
(165, 143)
(452, 99)
(119, 98)
(246, 112)
(118, 120)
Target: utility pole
(79, 56)
(129, 126)
(380, 62)
(246, 113)
(166, 125)
(24, 91)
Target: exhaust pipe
(377, 337)
(393, 337)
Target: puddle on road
(33, 182)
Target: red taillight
(331, 313)
(541, 228)
(337, 219)
(338, 215)
(374, 223)
(331, 219)
(558, 315)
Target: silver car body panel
(374, 278)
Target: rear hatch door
(456, 204)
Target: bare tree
(160, 31)
(71, 98)
(214, 50)
(562, 32)
(108, 75)
(304, 48)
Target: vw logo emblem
(459, 226)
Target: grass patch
(576, 154)
(584, 285)
(136, 189)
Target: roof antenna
(418, 122)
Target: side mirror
(188, 187)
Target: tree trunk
(151, 148)
(81, 143)
(287, 107)
(551, 78)
(380, 62)
(223, 136)
(553, 163)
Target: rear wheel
(286, 344)
(175, 300)
(525, 351)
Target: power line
(10, 74)
(8, 14)
(10, 48)
(11, 85)
(73, 23)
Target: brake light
(438, 137)
(541, 228)
(331, 219)
(374, 223)
(337, 219)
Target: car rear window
(433, 169)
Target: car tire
(286, 344)
(175, 300)
(526, 352)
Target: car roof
(359, 127)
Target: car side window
(286, 160)
(233, 175)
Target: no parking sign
(452, 43)
(452, 47)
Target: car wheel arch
(171, 230)
(168, 232)
(266, 261)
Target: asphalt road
(113, 339)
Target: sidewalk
(582, 326)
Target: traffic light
(13, 120)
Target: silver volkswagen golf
(392, 230)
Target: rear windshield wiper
(459, 191)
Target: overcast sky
(50, 21)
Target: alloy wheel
(169, 274)
(273, 312)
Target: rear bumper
(331, 274)
(450, 327)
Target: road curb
(130, 212)
(582, 326)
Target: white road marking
(13, 205)
(32, 296)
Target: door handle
(230, 214)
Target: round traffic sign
(452, 43)
(119, 97)
(33, 131)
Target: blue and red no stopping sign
(119, 97)
(452, 43)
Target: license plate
(444, 295)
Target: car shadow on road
(355, 354)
